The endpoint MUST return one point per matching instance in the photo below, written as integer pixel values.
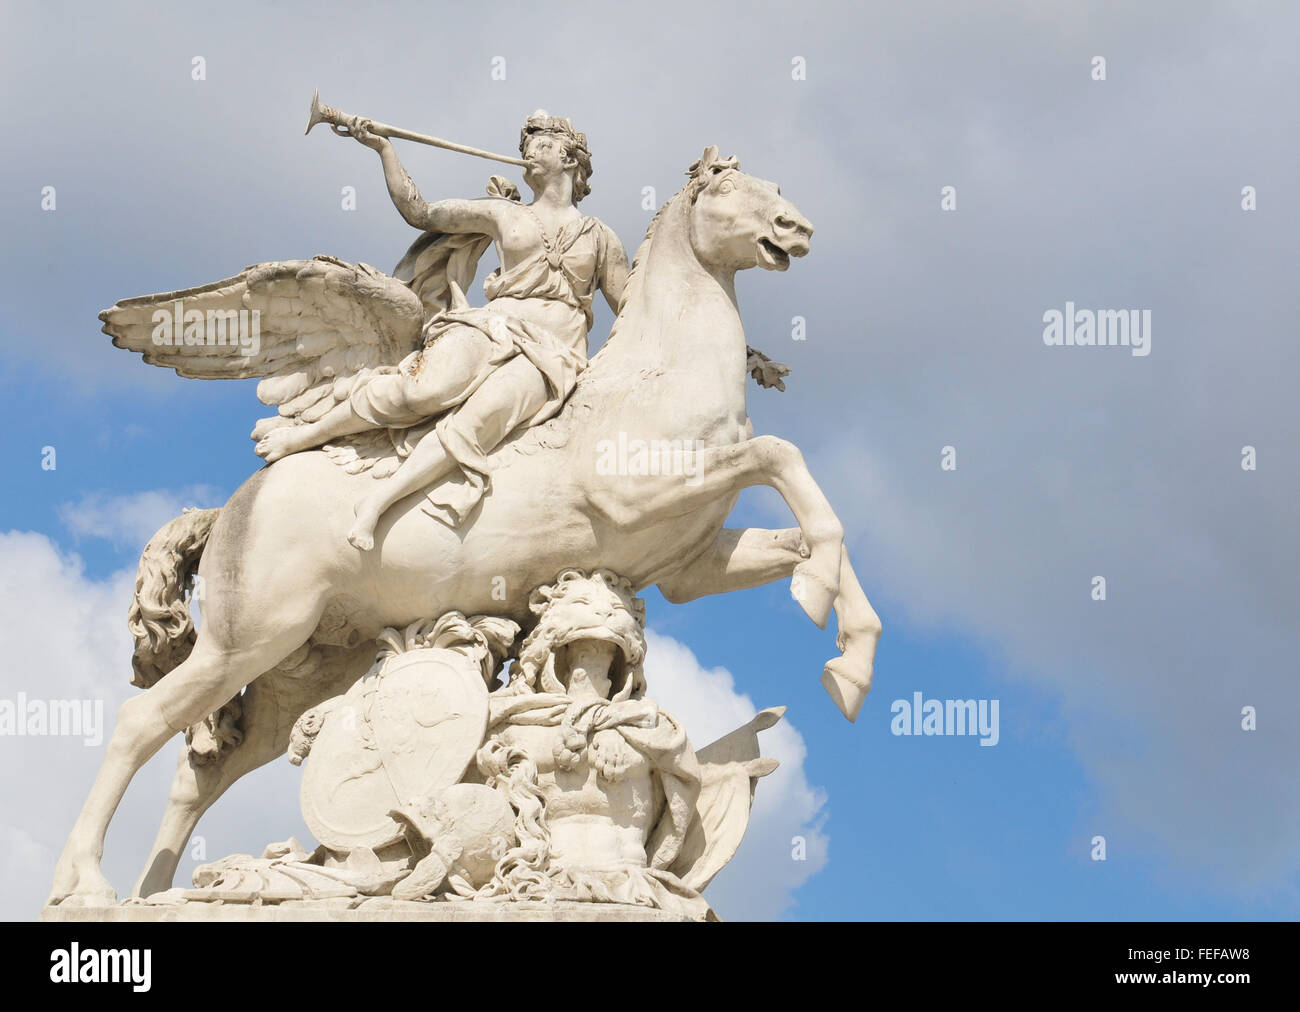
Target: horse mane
(635, 275)
(555, 431)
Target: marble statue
(431, 460)
(566, 784)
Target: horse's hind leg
(194, 789)
(197, 786)
(203, 682)
(271, 706)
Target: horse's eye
(727, 186)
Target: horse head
(672, 317)
(738, 221)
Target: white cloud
(64, 636)
(25, 873)
(760, 882)
(130, 520)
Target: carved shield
(388, 744)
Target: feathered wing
(308, 328)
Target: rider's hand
(360, 129)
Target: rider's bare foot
(362, 535)
(283, 441)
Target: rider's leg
(428, 462)
(511, 396)
(427, 383)
(514, 393)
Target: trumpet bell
(319, 112)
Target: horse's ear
(701, 165)
(711, 161)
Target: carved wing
(308, 328)
(729, 772)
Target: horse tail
(159, 617)
(160, 622)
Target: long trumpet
(338, 121)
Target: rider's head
(552, 145)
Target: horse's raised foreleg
(721, 471)
(847, 678)
(740, 559)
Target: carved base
(387, 911)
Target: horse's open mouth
(771, 256)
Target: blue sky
(1118, 718)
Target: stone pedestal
(370, 911)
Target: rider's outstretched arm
(478, 216)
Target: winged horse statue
(291, 610)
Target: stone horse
(290, 610)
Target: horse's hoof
(361, 541)
(815, 596)
(845, 686)
(89, 889)
(80, 900)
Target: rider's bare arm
(613, 272)
(479, 216)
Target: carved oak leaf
(765, 371)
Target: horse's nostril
(786, 224)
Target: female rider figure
(486, 371)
